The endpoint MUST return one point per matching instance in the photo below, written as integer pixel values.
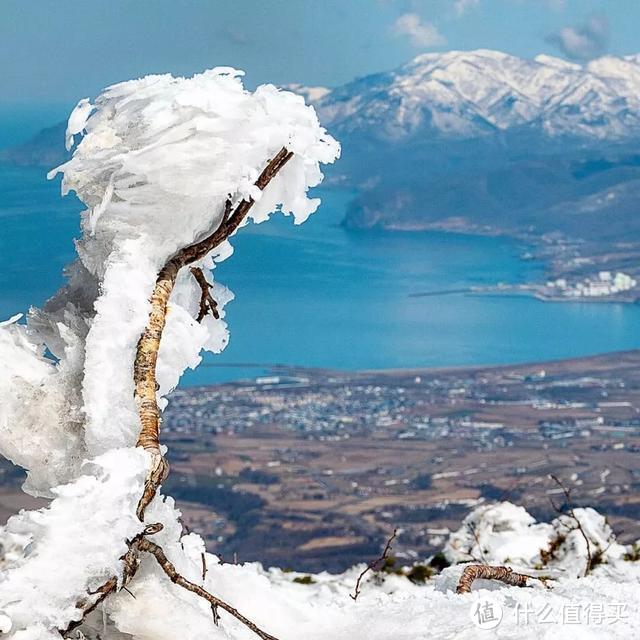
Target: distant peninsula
(46, 149)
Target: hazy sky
(57, 51)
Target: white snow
(77, 121)
(159, 158)
(38, 429)
(496, 534)
(603, 605)
(74, 544)
(472, 93)
(504, 533)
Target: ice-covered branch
(144, 369)
(159, 164)
(175, 577)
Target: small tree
(168, 169)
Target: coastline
(550, 249)
(537, 292)
(298, 375)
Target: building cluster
(605, 284)
(430, 409)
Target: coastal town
(587, 271)
(314, 469)
(605, 286)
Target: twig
(473, 572)
(129, 592)
(207, 303)
(204, 567)
(476, 537)
(157, 552)
(373, 565)
(214, 608)
(571, 512)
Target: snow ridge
(474, 93)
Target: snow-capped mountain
(477, 140)
(469, 94)
(482, 140)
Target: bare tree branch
(214, 608)
(572, 515)
(157, 552)
(374, 565)
(476, 537)
(473, 572)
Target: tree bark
(144, 373)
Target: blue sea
(319, 295)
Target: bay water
(319, 295)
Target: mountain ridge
(469, 94)
(485, 142)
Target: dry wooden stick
(373, 565)
(157, 552)
(473, 572)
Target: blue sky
(58, 51)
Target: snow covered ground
(291, 606)
(390, 607)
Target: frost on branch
(161, 165)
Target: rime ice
(154, 163)
(159, 159)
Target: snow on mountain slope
(470, 94)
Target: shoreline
(545, 249)
(529, 291)
(535, 291)
(296, 374)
